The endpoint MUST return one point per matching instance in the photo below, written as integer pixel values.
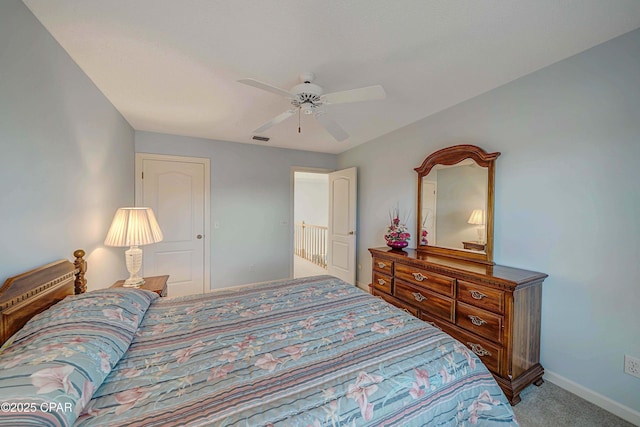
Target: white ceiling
(172, 66)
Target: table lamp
(133, 227)
(477, 218)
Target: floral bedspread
(305, 352)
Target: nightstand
(157, 284)
(475, 246)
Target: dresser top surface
(497, 272)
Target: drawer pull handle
(419, 277)
(477, 349)
(407, 311)
(477, 320)
(477, 295)
(381, 282)
(382, 265)
(418, 296)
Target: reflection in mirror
(454, 203)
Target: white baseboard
(362, 286)
(624, 412)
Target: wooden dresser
(494, 310)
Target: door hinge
(142, 174)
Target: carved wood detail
(453, 155)
(80, 284)
(27, 294)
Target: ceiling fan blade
(368, 93)
(277, 119)
(267, 87)
(331, 126)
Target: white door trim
(140, 157)
(295, 169)
(433, 234)
(348, 270)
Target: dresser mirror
(455, 203)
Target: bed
(305, 352)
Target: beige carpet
(304, 268)
(552, 406)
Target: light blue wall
(250, 198)
(567, 200)
(66, 155)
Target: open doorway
(311, 217)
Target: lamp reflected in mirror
(477, 218)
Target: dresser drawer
(430, 302)
(383, 265)
(432, 281)
(433, 321)
(382, 282)
(481, 296)
(396, 302)
(481, 322)
(488, 352)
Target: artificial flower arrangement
(423, 237)
(424, 232)
(397, 235)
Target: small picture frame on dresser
(157, 284)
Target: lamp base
(133, 258)
(133, 282)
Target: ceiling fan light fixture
(307, 109)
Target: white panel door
(341, 247)
(175, 190)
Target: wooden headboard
(27, 294)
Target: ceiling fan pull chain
(299, 120)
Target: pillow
(61, 356)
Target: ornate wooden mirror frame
(452, 156)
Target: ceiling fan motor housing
(306, 96)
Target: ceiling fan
(308, 98)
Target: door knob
(199, 236)
(351, 233)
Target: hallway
(304, 268)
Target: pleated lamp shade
(476, 217)
(133, 227)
